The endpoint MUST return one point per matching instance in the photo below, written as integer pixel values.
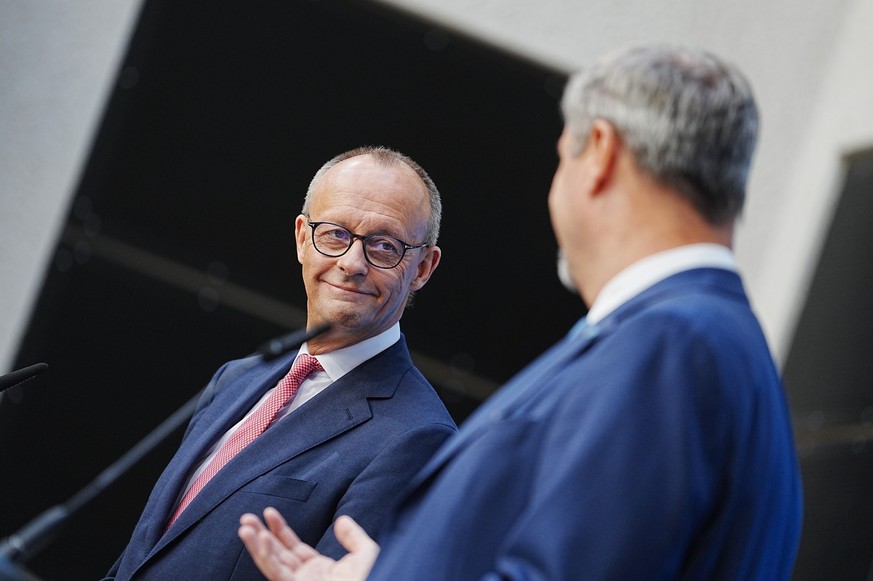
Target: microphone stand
(39, 532)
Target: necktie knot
(303, 366)
(287, 387)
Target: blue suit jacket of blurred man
(653, 445)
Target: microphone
(285, 343)
(21, 375)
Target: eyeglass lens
(335, 240)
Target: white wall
(57, 61)
(806, 60)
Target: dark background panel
(124, 352)
(837, 539)
(829, 377)
(233, 110)
(828, 356)
(221, 114)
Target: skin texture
(358, 299)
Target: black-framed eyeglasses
(380, 250)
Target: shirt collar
(338, 363)
(650, 270)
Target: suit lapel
(227, 408)
(339, 408)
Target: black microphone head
(281, 345)
(21, 375)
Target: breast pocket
(281, 487)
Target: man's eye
(383, 245)
(338, 234)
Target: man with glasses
(654, 440)
(337, 427)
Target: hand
(282, 556)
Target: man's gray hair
(388, 157)
(688, 118)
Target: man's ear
(426, 267)
(602, 151)
(300, 227)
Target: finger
(282, 560)
(256, 544)
(280, 528)
(354, 538)
(276, 522)
(247, 534)
(286, 535)
(275, 561)
(251, 520)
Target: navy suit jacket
(349, 450)
(654, 445)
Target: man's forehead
(385, 201)
(372, 178)
(368, 164)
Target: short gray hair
(688, 118)
(387, 157)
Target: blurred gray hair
(688, 118)
(387, 157)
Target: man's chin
(347, 320)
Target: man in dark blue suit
(654, 440)
(359, 427)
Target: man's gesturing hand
(282, 556)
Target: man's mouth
(344, 288)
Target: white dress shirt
(653, 269)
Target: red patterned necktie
(253, 427)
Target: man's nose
(354, 261)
